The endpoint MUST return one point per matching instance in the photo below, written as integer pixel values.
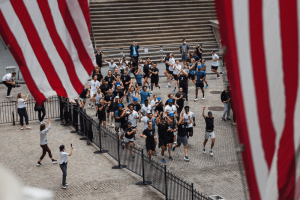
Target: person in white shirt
(153, 103)
(63, 163)
(215, 63)
(111, 65)
(93, 86)
(171, 63)
(189, 128)
(176, 70)
(145, 119)
(146, 108)
(44, 142)
(170, 108)
(9, 81)
(132, 116)
(22, 110)
(124, 65)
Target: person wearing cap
(215, 63)
(119, 93)
(136, 106)
(163, 136)
(159, 106)
(154, 77)
(119, 113)
(182, 135)
(129, 137)
(166, 60)
(199, 78)
(187, 115)
(170, 108)
(109, 100)
(184, 49)
(183, 82)
(171, 131)
(144, 95)
(209, 131)
(146, 107)
(150, 137)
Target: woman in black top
(129, 137)
(150, 137)
(101, 113)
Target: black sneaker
(54, 161)
(39, 164)
(186, 158)
(228, 118)
(18, 85)
(223, 119)
(173, 148)
(170, 158)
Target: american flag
(50, 41)
(262, 43)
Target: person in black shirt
(109, 79)
(180, 97)
(150, 137)
(146, 69)
(171, 129)
(162, 135)
(183, 82)
(109, 99)
(101, 113)
(133, 65)
(125, 78)
(198, 51)
(154, 77)
(129, 137)
(159, 106)
(99, 75)
(136, 106)
(119, 113)
(99, 55)
(171, 96)
(82, 97)
(166, 60)
(225, 98)
(104, 87)
(181, 135)
(209, 132)
(120, 93)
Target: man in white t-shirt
(93, 85)
(171, 63)
(187, 115)
(132, 116)
(176, 71)
(170, 108)
(111, 65)
(9, 81)
(146, 108)
(215, 63)
(145, 119)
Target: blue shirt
(200, 75)
(202, 66)
(191, 71)
(153, 123)
(144, 96)
(138, 78)
(134, 51)
(117, 83)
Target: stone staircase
(157, 26)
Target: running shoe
(89, 105)
(163, 160)
(39, 164)
(66, 184)
(151, 93)
(10, 96)
(186, 158)
(173, 149)
(223, 119)
(54, 161)
(228, 118)
(218, 77)
(173, 92)
(28, 128)
(159, 86)
(206, 86)
(170, 158)
(92, 106)
(64, 187)
(196, 99)
(22, 128)
(204, 152)
(112, 125)
(211, 153)
(203, 97)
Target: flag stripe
(82, 53)
(81, 25)
(241, 26)
(61, 28)
(60, 47)
(286, 155)
(37, 47)
(16, 51)
(37, 19)
(31, 61)
(85, 10)
(260, 80)
(224, 13)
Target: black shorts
(192, 76)
(170, 72)
(134, 70)
(102, 118)
(146, 76)
(175, 77)
(139, 84)
(154, 81)
(167, 69)
(201, 85)
(110, 109)
(214, 67)
(150, 146)
(170, 138)
(163, 142)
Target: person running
(133, 65)
(99, 55)
(22, 110)
(163, 136)
(150, 137)
(126, 79)
(138, 80)
(171, 129)
(154, 77)
(159, 105)
(98, 74)
(63, 164)
(145, 119)
(133, 116)
(170, 108)
(176, 70)
(144, 95)
(180, 98)
(146, 71)
(183, 82)
(82, 97)
(131, 94)
(154, 101)
(119, 93)
(109, 98)
(101, 113)
(109, 79)
(209, 131)
(198, 51)
(93, 86)
(199, 78)
(225, 98)
(215, 63)
(166, 60)
(123, 65)
(117, 83)
(9, 81)
(136, 106)
(96, 98)
(187, 115)
(203, 68)
(44, 143)
(184, 49)
(182, 137)
(129, 137)
(104, 87)
(119, 113)
(171, 63)
(192, 69)
(146, 107)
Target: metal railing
(152, 172)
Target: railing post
(192, 191)
(143, 173)
(119, 166)
(100, 141)
(13, 116)
(166, 186)
(75, 118)
(83, 125)
(61, 108)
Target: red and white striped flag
(262, 59)
(50, 41)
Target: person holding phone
(63, 163)
(44, 142)
(21, 102)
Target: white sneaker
(89, 105)
(203, 97)
(196, 99)
(168, 86)
(112, 124)
(10, 96)
(150, 93)
(64, 187)
(92, 106)
(108, 123)
(204, 152)
(211, 153)
(218, 77)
